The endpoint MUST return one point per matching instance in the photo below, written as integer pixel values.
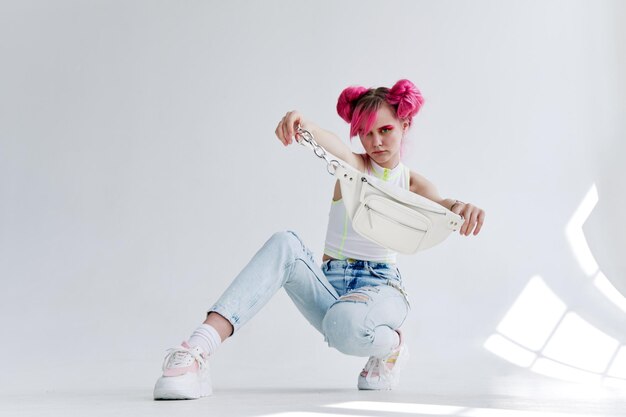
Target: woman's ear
(405, 125)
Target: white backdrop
(139, 172)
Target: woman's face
(384, 141)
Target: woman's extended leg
(220, 324)
(284, 261)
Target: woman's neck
(389, 164)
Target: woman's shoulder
(418, 183)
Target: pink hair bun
(407, 97)
(347, 100)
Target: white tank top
(342, 242)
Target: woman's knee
(344, 328)
(285, 239)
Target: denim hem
(232, 319)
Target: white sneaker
(383, 373)
(185, 374)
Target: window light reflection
(533, 316)
(540, 334)
(409, 408)
(433, 409)
(603, 284)
(510, 351)
(558, 370)
(618, 367)
(576, 236)
(576, 342)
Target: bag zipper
(369, 217)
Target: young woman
(355, 298)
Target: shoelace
(180, 356)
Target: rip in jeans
(359, 295)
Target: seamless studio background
(139, 172)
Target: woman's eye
(385, 130)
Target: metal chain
(305, 138)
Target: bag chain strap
(305, 138)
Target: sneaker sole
(184, 387)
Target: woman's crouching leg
(364, 321)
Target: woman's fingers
(280, 133)
(474, 218)
(464, 212)
(481, 219)
(282, 130)
(289, 126)
(286, 129)
(471, 224)
(293, 119)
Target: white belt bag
(386, 214)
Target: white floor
(516, 395)
(453, 380)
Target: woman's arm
(474, 216)
(286, 130)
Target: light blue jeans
(356, 305)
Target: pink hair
(358, 105)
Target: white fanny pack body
(391, 216)
(386, 214)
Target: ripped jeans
(356, 305)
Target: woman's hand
(286, 129)
(474, 217)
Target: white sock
(206, 337)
